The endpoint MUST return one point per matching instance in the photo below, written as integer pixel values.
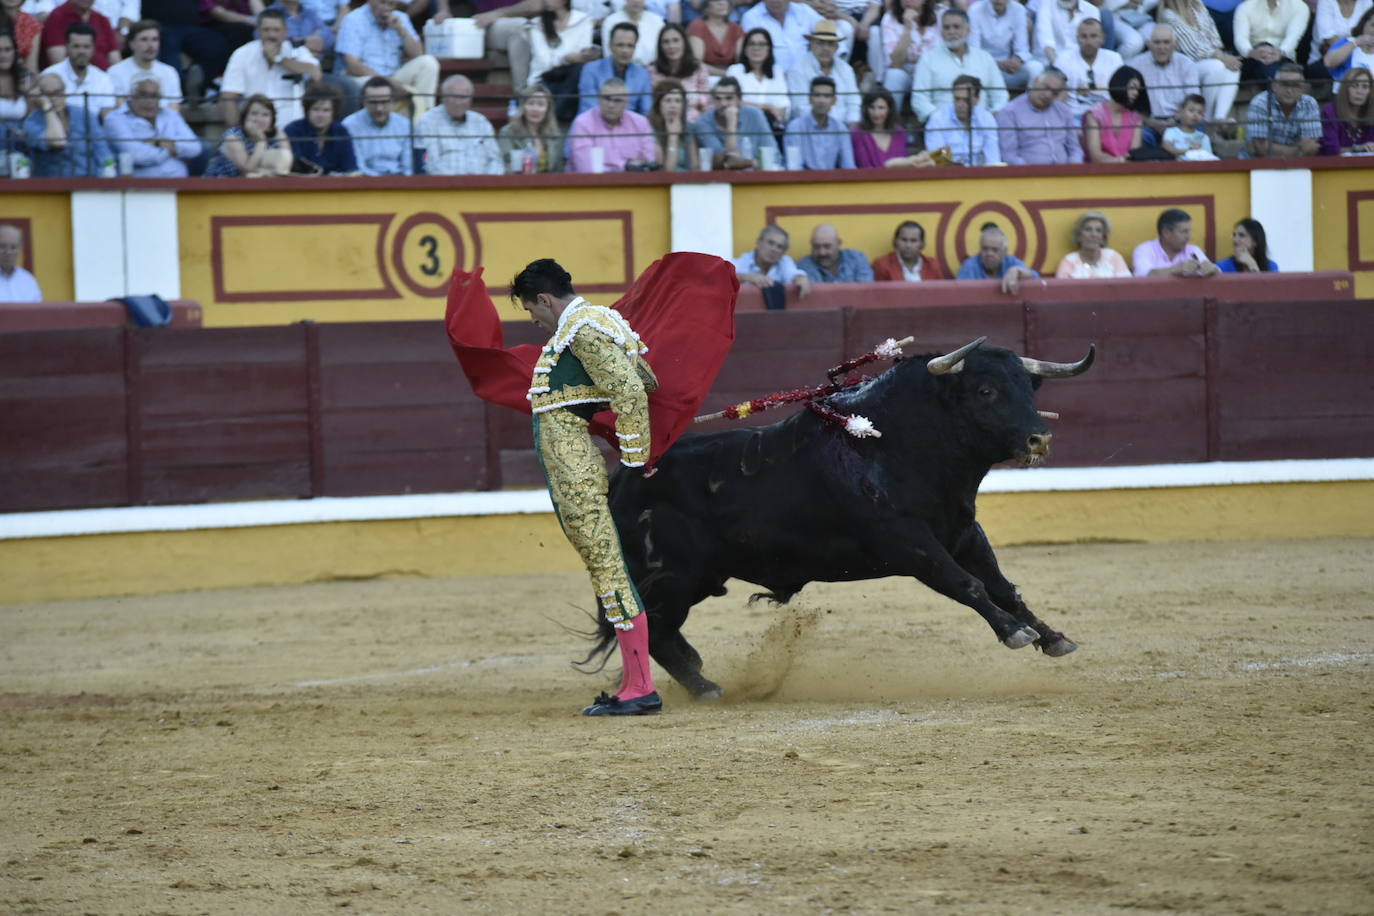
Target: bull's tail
(603, 636)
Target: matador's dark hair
(542, 276)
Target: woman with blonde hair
(1092, 259)
(673, 144)
(533, 131)
(1348, 120)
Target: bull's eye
(986, 393)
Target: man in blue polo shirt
(377, 40)
(993, 262)
(620, 65)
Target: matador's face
(542, 311)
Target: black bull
(803, 501)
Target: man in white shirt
(649, 23)
(456, 139)
(1088, 68)
(269, 66)
(1001, 28)
(938, 68)
(145, 43)
(83, 80)
(16, 283)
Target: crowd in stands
(1170, 253)
(102, 87)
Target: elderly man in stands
(1284, 121)
(788, 22)
(86, 84)
(16, 283)
(1038, 129)
(456, 139)
(994, 262)
(625, 139)
(964, 127)
(382, 141)
(66, 141)
(831, 262)
(933, 85)
(823, 60)
(1170, 77)
(105, 42)
(145, 42)
(377, 40)
(619, 65)
(770, 269)
(824, 141)
(1000, 27)
(157, 139)
(906, 262)
(1088, 68)
(730, 133)
(1171, 254)
(270, 66)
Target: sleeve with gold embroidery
(613, 371)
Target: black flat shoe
(648, 705)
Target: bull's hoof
(713, 695)
(1059, 647)
(1021, 638)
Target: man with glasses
(1170, 77)
(456, 139)
(1284, 121)
(730, 133)
(1038, 129)
(1088, 68)
(824, 141)
(382, 140)
(625, 139)
(158, 140)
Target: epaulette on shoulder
(599, 318)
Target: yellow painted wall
(1343, 208)
(49, 219)
(267, 258)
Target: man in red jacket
(905, 262)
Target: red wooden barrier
(42, 316)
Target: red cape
(683, 307)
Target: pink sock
(636, 680)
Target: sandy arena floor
(408, 746)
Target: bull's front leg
(974, 553)
(919, 554)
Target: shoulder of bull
(582, 317)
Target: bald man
(456, 139)
(16, 283)
(830, 262)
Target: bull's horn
(950, 361)
(1058, 370)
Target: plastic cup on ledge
(768, 157)
(598, 160)
(794, 158)
(705, 158)
(126, 164)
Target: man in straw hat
(822, 59)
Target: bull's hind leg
(975, 554)
(677, 656)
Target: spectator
(620, 65)
(824, 141)
(57, 33)
(1000, 27)
(376, 40)
(1184, 140)
(254, 148)
(16, 283)
(1348, 120)
(560, 37)
(1197, 37)
(731, 132)
(507, 27)
(647, 25)
(967, 129)
(156, 138)
(1169, 77)
(1091, 258)
(145, 42)
(1088, 68)
(830, 262)
(534, 133)
(234, 20)
(1357, 50)
(1335, 20)
(822, 60)
(270, 66)
(993, 261)
(906, 261)
(382, 140)
(1138, 14)
(787, 24)
(26, 32)
(761, 79)
(86, 84)
(15, 83)
(1251, 250)
(1037, 128)
(1056, 30)
(64, 141)
(716, 41)
(1171, 254)
(906, 31)
(880, 139)
(184, 33)
(306, 27)
(1113, 129)
(845, 25)
(676, 61)
(1284, 121)
(939, 66)
(673, 144)
(625, 138)
(1267, 33)
(320, 144)
(458, 140)
(770, 269)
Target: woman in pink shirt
(1113, 128)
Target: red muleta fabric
(683, 307)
